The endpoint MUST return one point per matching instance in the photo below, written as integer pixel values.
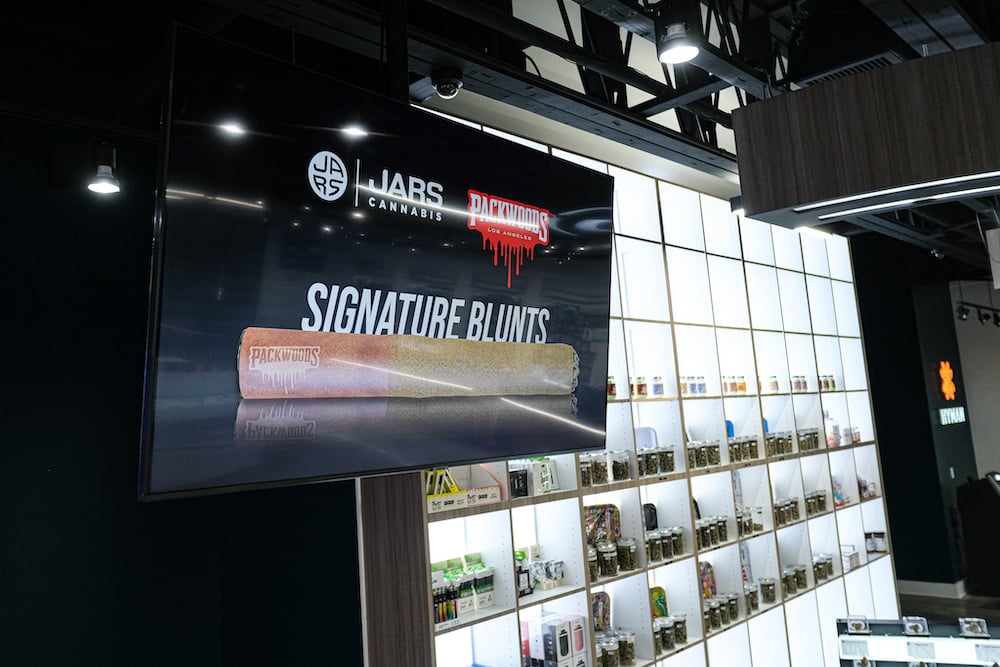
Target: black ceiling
(100, 65)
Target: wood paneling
(396, 571)
(907, 123)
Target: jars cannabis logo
(509, 228)
(328, 176)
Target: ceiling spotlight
(984, 316)
(962, 312)
(447, 83)
(105, 181)
(355, 131)
(233, 129)
(674, 46)
(937, 253)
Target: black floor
(947, 609)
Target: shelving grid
(753, 332)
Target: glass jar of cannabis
(665, 459)
(801, 576)
(654, 546)
(619, 459)
(714, 614)
(751, 597)
(585, 476)
(608, 651)
(598, 468)
(607, 558)
(677, 540)
(626, 647)
(592, 564)
(680, 627)
(733, 599)
(768, 590)
(627, 556)
(658, 635)
(667, 637)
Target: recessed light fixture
(355, 131)
(232, 128)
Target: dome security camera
(447, 83)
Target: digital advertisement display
(344, 285)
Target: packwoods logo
(328, 176)
(509, 228)
(282, 365)
(284, 423)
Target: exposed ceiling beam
(710, 58)
(900, 232)
(928, 26)
(356, 28)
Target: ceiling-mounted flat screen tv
(344, 285)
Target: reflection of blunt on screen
(279, 363)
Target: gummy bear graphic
(947, 385)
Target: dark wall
(89, 574)
(908, 325)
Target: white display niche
(772, 362)
(815, 259)
(729, 295)
(757, 244)
(690, 292)
(763, 297)
(642, 279)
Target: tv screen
(345, 285)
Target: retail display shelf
(544, 597)
(468, 511)
(551, 496)
(478, 616)
(715, 547)
(651, 399)
(665, 477)
(763, 310)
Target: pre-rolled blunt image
(373, 420)
(289, 363)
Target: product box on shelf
(483, 495)
(577, 634)
(442, 492)
(550, 638)
(445, 493)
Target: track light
(983, 313)
(105, 181)
(736, 205)
(674, 46)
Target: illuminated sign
(952, 416)
(947, 375)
